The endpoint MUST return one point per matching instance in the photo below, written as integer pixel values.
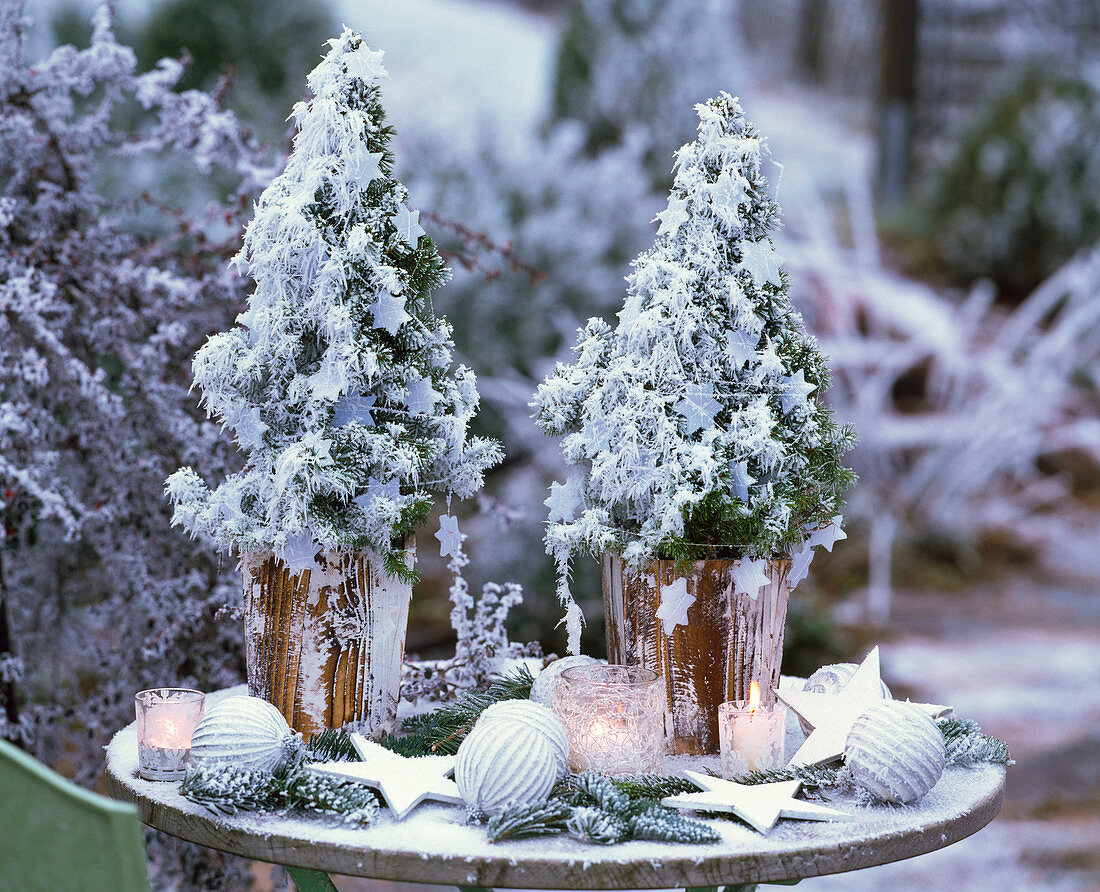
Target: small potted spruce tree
(337, 383)
(704, 468)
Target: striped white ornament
(895, 751)
(247, 732)
(515, 754)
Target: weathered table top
(436, 845)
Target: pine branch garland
(546, 818)
(224, 789)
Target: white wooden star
(749, 576)
(741, 479)
(565, 499)
(675, 602)
(354, 408)
(796, 390)
(422, 398)
(389, 312)
(404, 783)
(832, 715)
(758, 805)
(365, 64)
(829, 534)
(698, 407)
(450, 539)
(300, 552)
(800, 565)
(408, 225)
(365, 166)
(740, 348)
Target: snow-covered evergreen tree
(337, 380)
(693, 428)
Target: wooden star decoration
(450, 539)
(403, 782)
(832, 715)
(675, 602)
(749, 576)
(828, 535)
(758, 805)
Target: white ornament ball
(247, 732)
(515, 754)
(542, 691)
(895, 751)
(829, 680)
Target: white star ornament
(829, 534)
(365, 64)
(832, 715)
(796, 391)
(354, 408)
(800, 565)
(675, 602)
(450, 539)
(389, 312)
(698, 407)
(564, 500)
(408, 225)
(422, 398)
(749, 576)
(378, 489)
(758, 805)
(364, 165)
(404, 783)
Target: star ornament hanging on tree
(365, 64)
(564, 500)
(407, 224)
(828, 535)
(675, 602)
(698, 407)
(758, 805)
(422, 398)
(354, 409)
(832, 715)
(389, 312)
(403, 782)
(796, 390)
(749, 576)
(800, 565)
(450, 539)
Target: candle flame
(754, 696)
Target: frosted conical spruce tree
(693, 430)
(337, 380)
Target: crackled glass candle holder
(614, 716)
(751, 733)
(166, 719)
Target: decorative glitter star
(565, 499)
(675, 602)
(408, 225)
(800, 565)
(389, 312)
(378, 489)
(749, 576)
(796, 390)
(740, 348)
(829, 534)
(832, 715)
(741, 479)
(300, 552)
(761, 262)
(672, 217)
(364, 166)
(422, 398)
(758, 805)
(365, 64)
(354, 409)
(403, 782)
(698, 407)
(450, 539)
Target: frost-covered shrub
(643, 64)
(1022, 193)
(95, 320)
(337, 380)
(690, 429)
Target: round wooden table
(436, 845)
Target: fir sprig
(546, 818)
(331, 745)
(967, 745)
(225, 789)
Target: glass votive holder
(615, 717)
(752, 733)
(166, 719)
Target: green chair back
(58, 837)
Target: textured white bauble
(829, 680)
(515, 754)
(245, 731)
(895, 751)
(542, 691)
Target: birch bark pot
(729, 641)
(326, 645)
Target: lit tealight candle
(751, 734)
(166, 719)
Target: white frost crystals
(337, 380)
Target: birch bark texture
(326, 645)
(729, 641)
